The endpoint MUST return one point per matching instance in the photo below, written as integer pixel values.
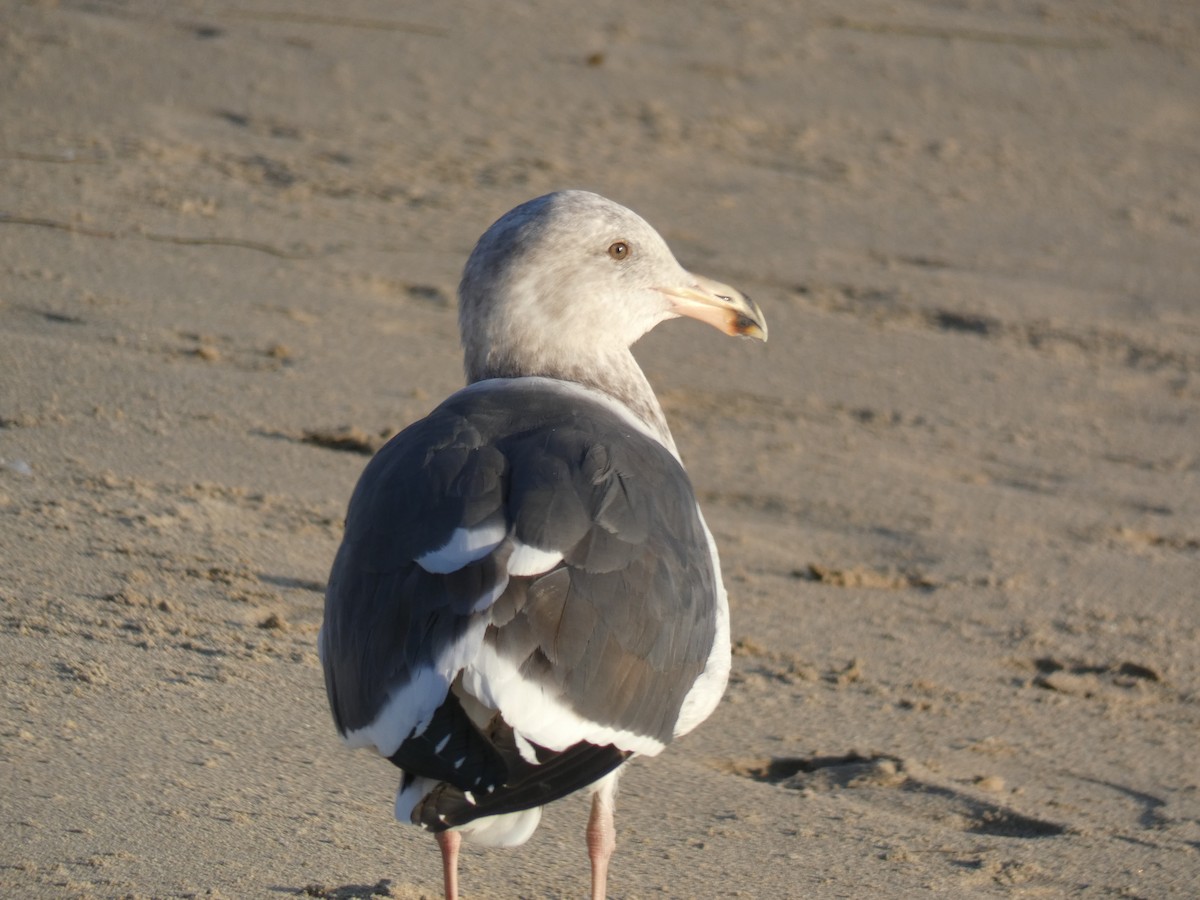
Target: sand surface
(957, 494)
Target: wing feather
(598, 652)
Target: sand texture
(957, 494)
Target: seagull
(527, 595)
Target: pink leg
(449, 842)
(601, 840)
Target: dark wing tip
(558, 774)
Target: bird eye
(619, 250)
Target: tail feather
(553, 777)
(452, 749)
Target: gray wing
(596, 649)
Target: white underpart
(706, 693)
(527, 560)
(466, 545)
(536, 715)
(606, 787)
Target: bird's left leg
(601, 834)
(449, 842)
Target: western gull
(527, 595)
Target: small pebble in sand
(993, 784)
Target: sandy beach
(957, 494)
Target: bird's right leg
(601, 837)
(449, 842)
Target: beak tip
(726, 309)
(752, 323)
(749, 328)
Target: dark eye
(619, 250)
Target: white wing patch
(525, 749)
(466, 545)
(539, 717)
(410, 707)
(408, 710)
(527, 560)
